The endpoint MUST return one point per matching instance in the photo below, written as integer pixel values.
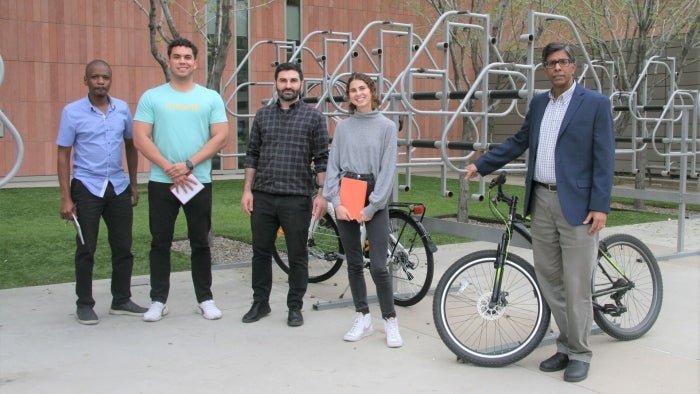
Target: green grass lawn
(37, 247)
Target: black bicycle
(410, 251)
(488, 308)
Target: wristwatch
(189, 165)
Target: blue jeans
(163, 208)
(293, 214)
(117, 213)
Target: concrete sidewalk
(44, 349)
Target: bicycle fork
(498, 298)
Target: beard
(288, 94)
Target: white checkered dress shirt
(549, 130)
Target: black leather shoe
(256, 312)
(295, 319)
(555, 363)
(576, 371)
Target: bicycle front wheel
(324, 247)
(480, 331)
(410, 260)
(627, 288)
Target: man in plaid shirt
(286, 137)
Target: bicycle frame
(489, 309)
(514, 221)
(619, 286)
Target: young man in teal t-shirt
(179, 127)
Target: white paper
(185, 194)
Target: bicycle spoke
(481, 331)
(410, 262)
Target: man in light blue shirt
(94, 129)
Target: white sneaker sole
(355, 339)
(209, 317)
(152, 319)
(394, 344)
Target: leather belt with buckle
(552, 187)
(362, 177)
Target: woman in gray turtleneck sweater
(364, 147)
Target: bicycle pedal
(614, 310)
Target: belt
(552, 187)
(362, 177)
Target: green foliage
(37, 247)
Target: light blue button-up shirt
(97, 140)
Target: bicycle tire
(482, 335)
(325, 251)
(410, 260)
(643, 300)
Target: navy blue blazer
(584, 153)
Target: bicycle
(410, 251)
(488, 308)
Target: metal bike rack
(672, 134)
(7, 124)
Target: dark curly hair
(182, 42)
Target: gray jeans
(378, 236)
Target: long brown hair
(372, 88)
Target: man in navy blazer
(571, 162)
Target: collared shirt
(97, 139)
(283, 144)
(549, 131)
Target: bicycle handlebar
(512, 201)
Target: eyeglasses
(553, 63)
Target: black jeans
(163, 208)
(293, 214)
(117, 213)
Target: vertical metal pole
(683, 180)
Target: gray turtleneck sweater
(364, 143)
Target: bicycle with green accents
(489, 310)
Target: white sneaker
(209, 310)
(361, 327)
(393, 337)
(155, 312)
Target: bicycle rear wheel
(325, 250)
(485, 334)
(410, 260)
(633, 293)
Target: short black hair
(96, 62)
(289, 66)
(558, 46)
(182, 42)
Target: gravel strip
(223, 250)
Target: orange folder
(353, 193)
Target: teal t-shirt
(181, 124)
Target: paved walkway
(44, 349)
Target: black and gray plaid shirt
(282, 146)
